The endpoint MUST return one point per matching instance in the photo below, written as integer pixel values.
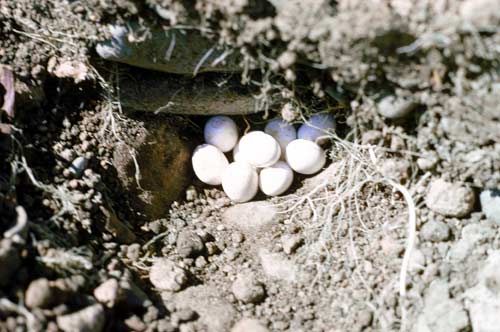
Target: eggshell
(276, 179)
(282, 132)
(209, 164)
(222, 132)
(259, 149)
(317, 126)
(305, 157)
(240, 181)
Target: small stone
(191, 194)
(189, 244)
(490, 204)
(396, 169)
(371, 137)
(290, 243)
(449, 199)
(276, 266)
(200, 262)
(435, 231)
(89, 319)
(166, 275)
(134, 251)
(250, 217)
(134, 323)
(67, 155)
(39, 294)
(247, 289)
(108, 293)
(428, 162)
(78, 166)
(392, 107)
(249, 325)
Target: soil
(104, 227)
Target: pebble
(435, 231)
(108, 293)
(39, 294)
(247, 289)
(189, 244)
(392, 107)
(290, 243)
(276, 266)
(78, 166)
(200, 262)
(449, 199)
(249, 325)
(168, 276)
(490, 204)
(89, 319)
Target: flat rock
(89, 319)
(216, 313)
(490, 204)
(251, 217)
(165, 275)
(249, 325)
(449, 199)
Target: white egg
(209, 164)
(222, 132)
(305, 157)
(318, 125)
(237, 156)
(259, 149)
(282, 131)
(240, 181)
(276, 179)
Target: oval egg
(282, 132)
(305, 157)
(240, 181)
(276, 179)
(317, 126)
(222, 132)
(209, 164)
(259, 149)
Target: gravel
(449, 199)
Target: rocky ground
(104, 228)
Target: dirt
(105, 228)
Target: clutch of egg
(262, 159)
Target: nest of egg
(260, 159)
